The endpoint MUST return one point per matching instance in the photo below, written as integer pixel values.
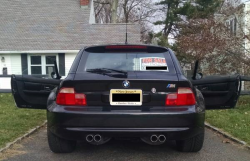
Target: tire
(193, 144)
(59, 145)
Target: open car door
(219, 92)
(31, 92)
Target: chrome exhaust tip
(90, 138)
(162, 138)
(153, 138)
(97, 138)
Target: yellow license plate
(125, 97)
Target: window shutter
(61, 64)
(24, 62)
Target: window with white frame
(50, 64)
(41, 64)
(35, 65)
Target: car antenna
(126, 41)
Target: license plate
(125, 97)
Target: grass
(234, 121)
(15, 122)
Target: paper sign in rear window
(153, 63)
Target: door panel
(31, 92)
(220, 92)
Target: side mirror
(196, 66)
(199, 76)
(56, 73)
(53, 75)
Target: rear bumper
(75, 125)
(170, 133)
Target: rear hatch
(100, 73)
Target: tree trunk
(166, 29)
(125, 10)
(114, 11)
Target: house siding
(5, 82)
(16, 66)
(69, 58)
(7, 63)
(246, 84)
(247, 25)
(14, 63)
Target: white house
(34, 33)
(240, 21)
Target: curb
(9, 145)
(226, 135)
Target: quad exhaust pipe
(157, 138)
(89, 138)
(154, 138)
(97, 138)
(93, 138)
(162, 138)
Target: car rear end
(125, 91)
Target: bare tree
(102, 11)
(114, 11)
(218, 42)
(128, 11)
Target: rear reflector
(183, 97)
(68, 97)
(126, 47)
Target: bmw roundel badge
(153, 90)
(125, 84)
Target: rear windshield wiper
(105, 71)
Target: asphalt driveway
(215, 148)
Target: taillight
(67, 96)
(183, 97)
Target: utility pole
(114, 11)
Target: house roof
(55, 25)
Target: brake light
(183, 97)
(126, 47)
(67, 96)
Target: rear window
(127, 62)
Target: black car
(125, 91)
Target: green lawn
(234, 121)
(15, 122)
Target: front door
(31, 92)
(220, 92)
